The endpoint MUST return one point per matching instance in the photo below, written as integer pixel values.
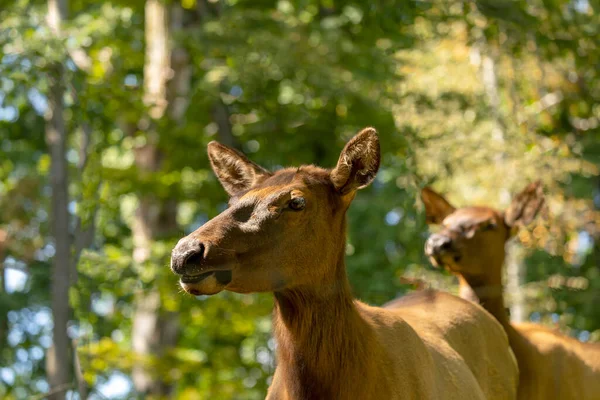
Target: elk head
(281, 230)
(472, 239)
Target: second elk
(471, 244)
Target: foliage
(297, 79)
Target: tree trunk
(514, 259)
(155, 331)
(514, 281)
(3, 315)
(490, 84)
(57, 359)
(220, 114)
(178, 90)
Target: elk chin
(446, 261)
(435, 262)
(212, 283)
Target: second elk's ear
(358, 163)
(525, 206)
(234, 170)
(436, 206)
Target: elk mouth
(195, 278)
(206, 283)
(436, 261)
(222, 276)
(444, 260)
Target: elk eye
(490, 226)
(297, 203)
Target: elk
(471, 244)
(284, 232)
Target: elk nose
(438, 244)
(188, 252)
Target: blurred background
(106, 108)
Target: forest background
(106, 108)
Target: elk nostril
(196, 257)
(446, 245)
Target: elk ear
(358, 163)
(525, 206)
(234, 170)
(436, 206)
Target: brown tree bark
(167, 75)
(58, 361)
(3, 315)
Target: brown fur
(285, 233)
(552, 366)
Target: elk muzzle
(187, 256)
(440, 248)
(189, 261)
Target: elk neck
(487, 290)
(321, 337)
